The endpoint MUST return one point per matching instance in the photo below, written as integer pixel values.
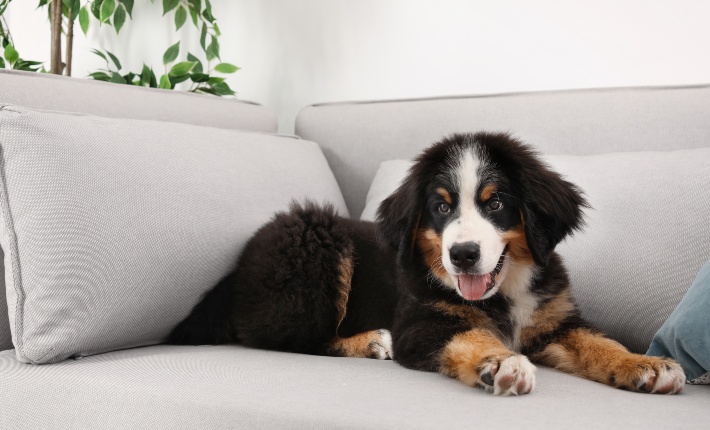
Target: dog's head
(473, 205)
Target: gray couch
(225, 387)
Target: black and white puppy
(459, 276)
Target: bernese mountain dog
(458, 276)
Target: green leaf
(222, 89)
(193, 15)
(10, 54)
(169, 5)
(84, 19)
(197, 4)
(115, 60)
(145, 75)
(42, 3)
(165, 82)
(119, 18)
(198, 63)
(203, 37)
(171, 53)
(117, 79)
(100, 54)
(107, 9)
(96, 9)
(177, 79)
(75, 8)
(128, 4)
(2, 63)
(199, 77)
(180, 17)
(208, 16)
(226, 68)
(153, 82)
(216, 29)
(182, 68)
(215, 80)
(100, 76)
(213, 50)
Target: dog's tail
(211, 320)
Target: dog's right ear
(398, 216)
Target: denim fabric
(685, 336)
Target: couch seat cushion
(229, 387)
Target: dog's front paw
(658, 375)
(514, 375)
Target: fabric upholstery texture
(45, 91)
(685, 335)
(5, 334)
(356, 137)
(646, 235)
(113, 228)
(233, 387)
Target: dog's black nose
(465, 255)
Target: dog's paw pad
(664, 377)
(515, 376)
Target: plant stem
(6, 32)
(56, 51)
(70, 43)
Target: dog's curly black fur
(460, 267)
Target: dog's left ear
(551, 209)
(398, 216)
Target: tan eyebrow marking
(444, 194)
(488, 191)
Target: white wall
(295, 53)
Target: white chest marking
(516, 287)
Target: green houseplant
(204, 76)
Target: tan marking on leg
(547, 318)
(444, 195)
(467, 355)
(345, 276)
(369, 344)
(429, 243)
(593, 356)
(488, 191)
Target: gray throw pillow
(112, 229)
(646, 236)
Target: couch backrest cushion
(646, 236)
(357, 137)
(44, 91)
(113, 228)
(52, 92)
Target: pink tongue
(473, 287)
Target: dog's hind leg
(370, 344)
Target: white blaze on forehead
(469, 225)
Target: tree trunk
(56, 52)
(70, 43)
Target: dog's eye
(495, 205)
(444, 208)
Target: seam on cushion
(13, 251)
(22, 74)
(115, 119)
(515, 94)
